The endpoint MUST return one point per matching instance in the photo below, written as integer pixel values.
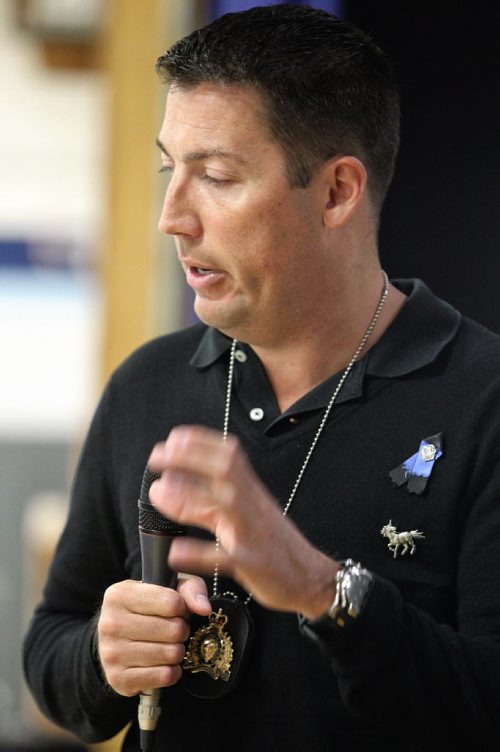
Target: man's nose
(178, 215)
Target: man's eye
(215, 181)
(165, 168)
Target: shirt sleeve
(59, 661)
(432, 684)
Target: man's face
(245, 239)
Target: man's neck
(294, 368)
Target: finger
(120, 654)
(199, 556)
(187, 485)
(131, 681)
(193, 500)
(194, 592)
(136, 627)
(147, 654)
(197, 450)
(145, 599)
(185, 502)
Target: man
(330, 440)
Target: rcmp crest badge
(210, 649)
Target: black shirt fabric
(420, 668)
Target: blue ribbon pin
(416, 470)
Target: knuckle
(178, 629)
(196, 580)
(109, 654)
(128, 686)
(233, 449)
(228, 494)
(174, 655)
(179, 438)
(115, 680)
(170, 675)
(231, 458)
(185, 632)
(109, 598)
(173, 604)
(114, 594)
(107, 625)
(233, 443)
(126, 692)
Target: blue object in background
(219, 7)
(26, 253)
(14, 253)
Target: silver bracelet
(353, 584)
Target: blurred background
(85, 277)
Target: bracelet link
(353, 583)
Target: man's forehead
(215, 109)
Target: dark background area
(441, 221)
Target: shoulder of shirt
(429, 332)
(161, 355)
(479, 346)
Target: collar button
(256, 413)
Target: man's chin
(228, 319)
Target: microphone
(156, 533)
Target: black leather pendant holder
(240, 629)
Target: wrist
(321, 589)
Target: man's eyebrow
(195, 156)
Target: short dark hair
(327, 89)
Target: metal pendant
(217, 652)
(404, 540)
(210, 649)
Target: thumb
(194, 591)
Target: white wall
(52, 189)
(52, 186)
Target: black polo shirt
(420, 668)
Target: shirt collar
(212, 345)
(423, 327)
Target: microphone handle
(155, 547)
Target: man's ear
(345, 186)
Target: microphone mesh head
(147, 479)
(149, 517)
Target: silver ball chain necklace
(217, 653)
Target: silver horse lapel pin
(405, 540)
